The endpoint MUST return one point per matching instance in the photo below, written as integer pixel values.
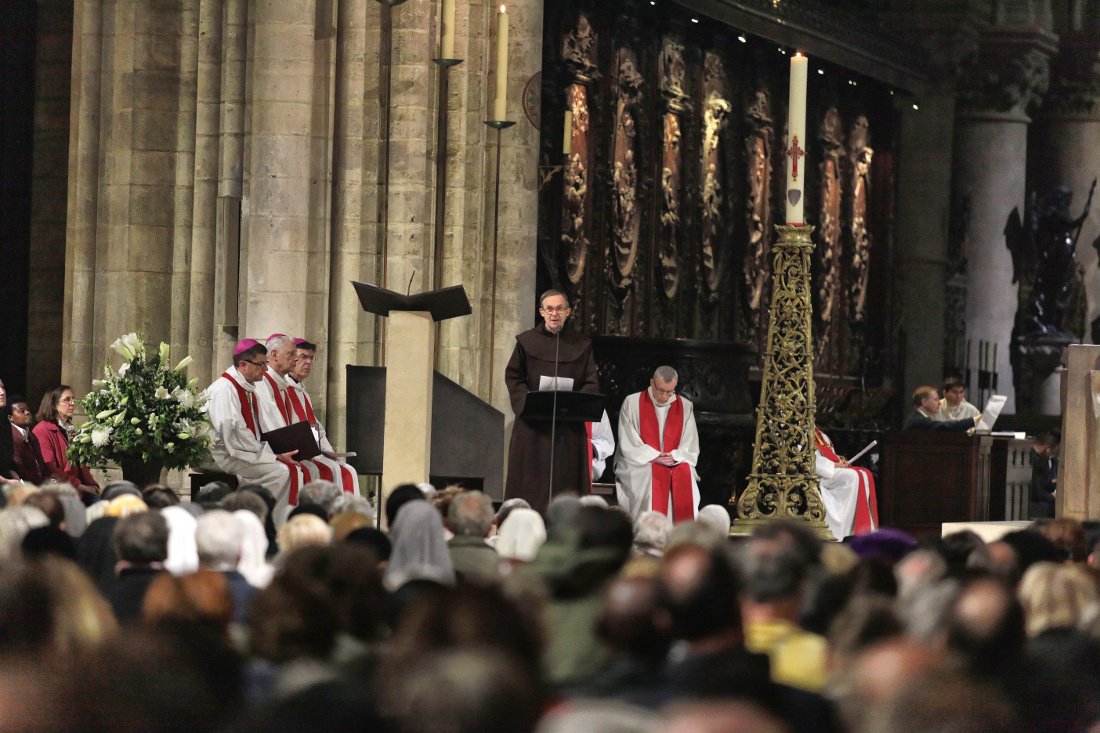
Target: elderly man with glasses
(234, 413)
(658, 451)
(548, 349)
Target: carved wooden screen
(660, 223)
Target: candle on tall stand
(796, 141)
(501, 104)
(567, 134)
(447, 47)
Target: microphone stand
(554, 414)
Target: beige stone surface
(410, 346)
(1078, 494)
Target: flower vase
(141, 473)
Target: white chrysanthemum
(185, 397)
(162, 393)
(100, 436)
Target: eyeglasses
(261, 364)
(556, 309)
(666, 392)
(309, 357)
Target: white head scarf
(521, 535)
(183, 555)
(419, 548)
(715, 515)
(253, 564)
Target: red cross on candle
(794, 153)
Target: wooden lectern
(410, 352)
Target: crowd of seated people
(142, 612)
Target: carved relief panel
(860, 155)
(625, 216)
(756, 269)
(829, 249)
(715, 234)
(578, 51)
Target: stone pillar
(1064, 150)
(276, 206)
(45, 313)
(990, 169)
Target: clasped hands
(665, 459)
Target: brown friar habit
(529, 452)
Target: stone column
(1064, 150)
(990, 168)
(45, 314)
(276, 206)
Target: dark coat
(128, 593)
(7, 449)
(27, 457)
(529, 452)
(917, 420)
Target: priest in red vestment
(658, 451)
(848, 492)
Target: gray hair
(470, 514)
(278, 343)
(218, 538)
(320, 492)
(665, 373)
(716, 516)
(15, 523)
(142, 538)
(351, 503)
(651, 530)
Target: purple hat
(244, 345)
(276, 336)
(299, 341)
(886, 544)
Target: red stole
(251, 415)
(867, 507)
(303, 409)
(279, 401)
(667, 480)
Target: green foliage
(145, 411)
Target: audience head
(121, 487)
(345, 523)
(301, 531)
(124, 505)
(159, 496)
(50, 504)
(213, 492)
(695, 533)
(419, 548)
(195, 599)
(771, 572)
(322, 493)
(315, 510)
(400, 496)
(699, 595)
(521, 535)
(248, 501)
(1056, 596)
(651, 531)
(986, 625)
(561, 513)
(506, 508)
(348, 576)
(15, 523)
(142, 539)
(1068, 535)
(57, 404)
(717, 516)
(374, 540)
(218, 538)
(183, 554)
(470, 514)
(627, 619)
(352, 503)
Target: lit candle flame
(503, 9)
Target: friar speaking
(548, 349)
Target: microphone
(554, 413)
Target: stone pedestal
(410, 350)
(1079, 470)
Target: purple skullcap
(276, 336)
(299, 341)
(887, 544)
(244, 345)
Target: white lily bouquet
(146, 412)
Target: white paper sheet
(991, 412)
(859, 455)
(563, 384)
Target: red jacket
(27, 457)
(53, 446)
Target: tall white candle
(796, 140)
(447, 20)
(567, 133)
(501, 103)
